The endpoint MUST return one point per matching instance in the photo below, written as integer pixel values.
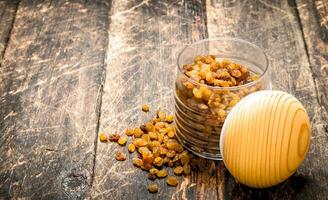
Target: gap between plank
(99, 96)
(299, 21)
(10, 30)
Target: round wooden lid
(265, 138)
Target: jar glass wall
(200, 109)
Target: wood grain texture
(7, 15)
(72, 68)
(314, 23)
(274, 26)
(271, 130)
(50, 78)
(144, 38)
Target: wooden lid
(265, 138)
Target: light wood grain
(274, 27)
(50, 78)
(72, 69)
(314, 23)
(144, 39)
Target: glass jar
(198, 120)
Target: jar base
(206, 155)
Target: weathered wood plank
(273, 25)
(7, 16)
(314, 20)
(144, 38)
(50, 80)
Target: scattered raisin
(128, 132)
(103, 137)
(153, 188)
(145, 108)
(161, 173)
(151, 176)
(178, 170)
(122, 140)
(153, 171)
(114, 137)
(172, 181)
(120, 156)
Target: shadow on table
(285, 190)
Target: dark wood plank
(314, 23)
(7, 16)
(273, 25)
(50, 83)
(144, 38)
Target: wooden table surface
(72, 69)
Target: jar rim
(264, 72)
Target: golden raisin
(149, 126)
(197, 93)
(122, 141)
(153, 171)
(161, 173)
(170, 153)
(147, 158)
(131, 148)
(184, 158)
(137, 162)
(236, 73)
(161, 115)
(153, 135)
(171, 134)
(151, 176)
(178, 170)
(114, 137)
(186, 169)
(160, 137)
(145, 108)
(139, 142)
(137, 132)
(169, 118)
(198, 58)
(153, 188)
(172, 181)
(255, 77)
(156, 151)
(103, 137)
(143, 150)
(188, 67)
(128, 132)
(170, 163)
(158, 161)
(145, 137)
(188, 85)
(120, 156)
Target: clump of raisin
(156, 145)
